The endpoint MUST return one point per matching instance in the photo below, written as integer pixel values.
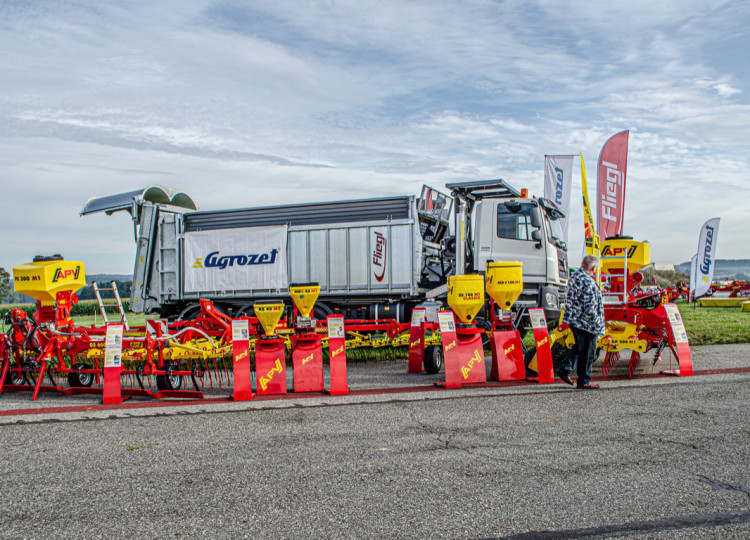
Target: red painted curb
(308, 395)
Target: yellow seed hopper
(466, 295)
(269, 315)
(43, 278)
(304, 296)
(613, 251)
(504, 282)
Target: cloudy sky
(285, 101)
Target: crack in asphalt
(728, 487)
(639, 527)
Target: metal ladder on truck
(118, 303)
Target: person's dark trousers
(582, 353)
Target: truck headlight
(551, 300)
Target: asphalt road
(645, 458)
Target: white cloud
(243, 104)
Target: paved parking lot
(650, 457)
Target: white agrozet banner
(558, 178)
(692, 274)
(704, 265)
(235, 259)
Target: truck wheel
(189, 313)
(76, 378)
(245, 311)
(169, 381)
(321, 311)
(433, 359)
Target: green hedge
(84, 307)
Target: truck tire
(245, 311)
(321, 311)
(189, 313)
(433, 359)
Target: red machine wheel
(169, 381)
(14, 377)
(76, 378)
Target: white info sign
(418, 316)
(113, 346)
(335, 327)
(447, 322)
(675, 321)
(240, 330)
(538, 320)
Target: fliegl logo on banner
(611, 201)
(216, 260)
(379, 253)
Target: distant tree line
(5, 286)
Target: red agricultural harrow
(49, 352)
(50, 347)
(735, 289)
(636, 319)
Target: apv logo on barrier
(475, 360)
(266, 379)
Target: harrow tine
(633, 364)
(210, 375)
(226, 370)
(610, 360)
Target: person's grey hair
(588, 262)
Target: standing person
(584, 313)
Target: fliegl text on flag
(610, 191)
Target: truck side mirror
(537, 236)
(536, 218)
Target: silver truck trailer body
(373, 258)
(365, 250)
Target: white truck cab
(506, 226)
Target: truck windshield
(554, 228)
(514, 225)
